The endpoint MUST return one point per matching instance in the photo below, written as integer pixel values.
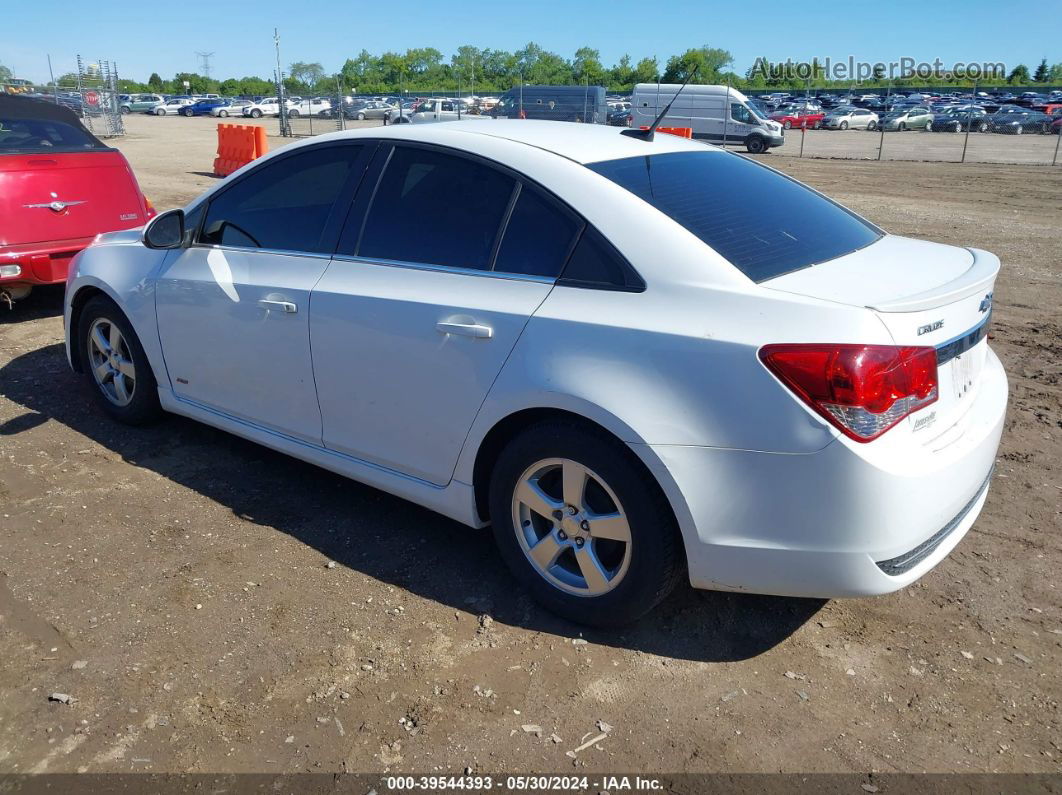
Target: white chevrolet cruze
(634, 358)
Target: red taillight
(861, 389)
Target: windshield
(763, 222)
(31, 135)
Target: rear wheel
(186, 113)
(125, 110)
(580, 523)
(871, 126)
(115, 364)
(223, 113)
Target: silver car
(845, 118)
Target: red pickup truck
(60, 186)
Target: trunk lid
(926, 294)
(66, 195)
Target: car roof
(582, 143)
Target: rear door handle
(278, 306)
(465, 329)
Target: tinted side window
(282, 205)
(594, 263)
(436, 208)
(537, 238)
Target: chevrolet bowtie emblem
(57, 206)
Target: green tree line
(423, 70)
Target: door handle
(465, 329)
(279, 306)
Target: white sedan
(171, 107)
(571, 333)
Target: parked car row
(1010, 119)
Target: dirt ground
(175, 581)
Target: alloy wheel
(571, 526)
(111, 362)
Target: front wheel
(115, 364)
(256, 114)
(361, 117)
(125, 110)
(843, 125)
(186, 113)
(1018, 130)
(817, 125)
(871, 126)
(982, 127)
(756, 145)
(293, 114)
(902, 127)
(582, 525)
(788, 124)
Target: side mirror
(165, 231)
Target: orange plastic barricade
(681, 132)
(238, 145)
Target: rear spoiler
(978, 277)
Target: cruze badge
(928, 327)
(986, 303)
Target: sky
(163, 37)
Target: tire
(186, 113)
(635, 574)
(361, 117)
(1019, 130)
(256, 114)
(133, 400)
(223, 114)
(788, 124)
(817, 125)
(871, 126)
(293, 114)
(957, 127)
(982, 127)
(902, 127)
(756, 145)
(1045, 129)
(842, 126)
(125, 111)
(160, 112)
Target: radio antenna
(647, 135)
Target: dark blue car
(203, 107)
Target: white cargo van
(715, 113)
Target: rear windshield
(32, 135)
(764, 223)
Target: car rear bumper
(41, 263)
(838, 522)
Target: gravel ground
(177, 583)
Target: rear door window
(538, 237)
(436, 208)
(763, 222)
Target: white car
(171, 107)
(432, 110)
(234, 108)
(569, 332)
(270, 106)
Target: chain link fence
(91, 92)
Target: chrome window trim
(427, 266)
(248, 249)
